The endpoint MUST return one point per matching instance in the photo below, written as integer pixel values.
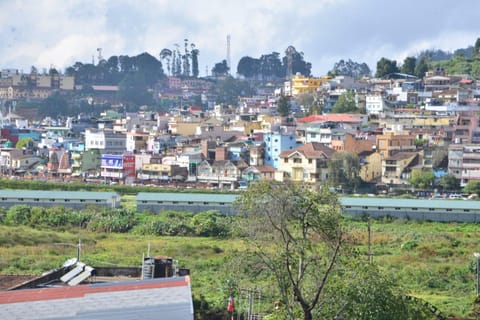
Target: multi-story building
(396, 168)
(136, 141)
(305, 163)
(275, 143)
(303, 85)
(107, 141)
(464, 162)
(392, 142)
(375, 104)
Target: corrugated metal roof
(73, 195)
(162, 298)
(178, 196)
(403, 203)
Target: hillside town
(401, 124)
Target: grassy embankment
(433, 261)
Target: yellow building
(302, 85)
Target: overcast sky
(44, 33)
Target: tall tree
(476, 47)
(295, 60)
(297, 234)
(166, 56)
(271, 66)
(422, 67)
(343, 171)
(351, 68)
(194, 54)
(408, 65)
(283, 106)
(386, 66)
(248, 67)
(220, 69)
(422, 178)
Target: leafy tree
(421, 178)
(421, 68)
(298, 64)
(229, 89)
(194, 54)
(283, 106)
(476, 48)
(345, 103)
(55, 105)
(343, 171)
(472, 186)
(297, 235)
(133, 89)
(449, 182)
(386, 66)
(17, 215)
(271, 67)
(365, 292)
(351, 68)
(166, 55)
(220, 69)
(149, 67)
(248, 67)
(409, 64)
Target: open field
(433, 261)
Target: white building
(107, 141)
(374, 104)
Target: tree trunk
(307, 314)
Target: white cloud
(57, 32)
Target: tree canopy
(283, 106)
(386, 66)
(351, 68)
(270, 67)
(304, 235)
(422, 178)
(345, 103)
(343, 171)
(294, 232)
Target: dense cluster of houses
(406, 124)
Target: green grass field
(433, 261)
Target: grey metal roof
(147, 299)
(182, 197)
(73, 195)
(404, 203)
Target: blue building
(275, 143)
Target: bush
(18, 215)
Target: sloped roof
(311, 150)
(401, 156)
(165, 298)
(193, 197)
(73, 195)
(332, 117)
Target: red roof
(339, 117)
(80, 291)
